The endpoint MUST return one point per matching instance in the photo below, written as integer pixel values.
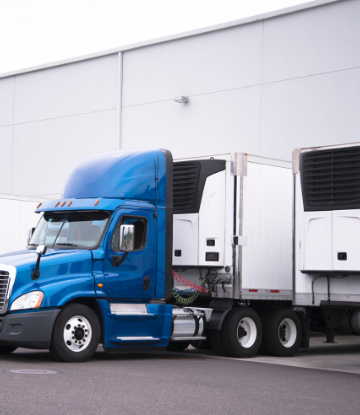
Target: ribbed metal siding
(331, 178)
(186, 180)
(4, 284)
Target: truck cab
(98, 266)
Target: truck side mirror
(127, 238)
(40, 250)
(30, 234)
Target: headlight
(29, 300)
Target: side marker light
(57, 204)
(100, 285)
(69, 203)
(97, 202)
(37, 207)
(63, 203)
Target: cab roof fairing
(123, 174)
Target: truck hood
(58, 269)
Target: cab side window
(140, 225)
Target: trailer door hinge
(239, 240)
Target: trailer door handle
(146, 283)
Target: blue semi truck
(145, 253)
(98, 267)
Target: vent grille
(186, 181)
(331, 178)
(4, 284)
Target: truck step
(193, 338)
(139, 338)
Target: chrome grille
(4, 285)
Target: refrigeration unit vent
(331, 179)
(186, 181)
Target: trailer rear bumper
(31, 330)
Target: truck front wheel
(76, 334)
(282, 332)
(242, 332)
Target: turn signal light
(100, 285)
(63, 203)
(37, 207)
(57, 204)
(97, 202)
(69, 203)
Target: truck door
(136, 277)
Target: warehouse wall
(264, 88)
(52, 118)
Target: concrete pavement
(177, 383)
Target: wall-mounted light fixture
(181, 100)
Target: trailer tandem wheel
(282, 332)
(76, 334)
(242, 332)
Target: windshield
(82, 230)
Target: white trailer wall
(263, 85)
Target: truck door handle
(146, 283)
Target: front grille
(4, 284)
(331, 178)
(186, 180)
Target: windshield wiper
(67, 244)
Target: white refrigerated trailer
(233, 236)
(326, 273)
(274, 244)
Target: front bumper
(32, 330)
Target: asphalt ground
(180, 383)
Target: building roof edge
(169, 38)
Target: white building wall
(51, 119)
(263, 86)
(266, 87)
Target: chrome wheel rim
(287, 332)
(247, 332)
(77, 334)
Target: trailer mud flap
(221, 308)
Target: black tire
(177, 346)
(282, 341)
(263, 313)
(216, 342)
(7, 349)
(201, 344)
(59, 350)
(246, 323)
